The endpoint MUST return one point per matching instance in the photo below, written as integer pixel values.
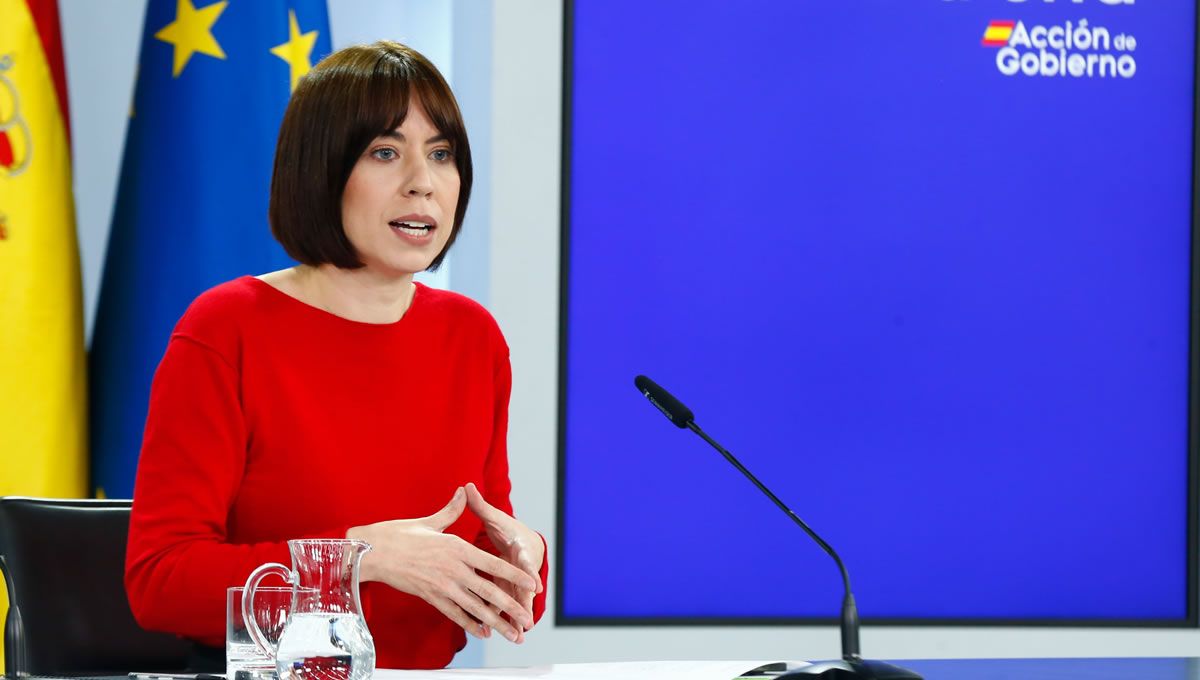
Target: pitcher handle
(264, 645)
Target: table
(1056, 669)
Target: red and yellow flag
(997, 33)
(43, 437)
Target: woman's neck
(354, 294)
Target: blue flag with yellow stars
(213, 80)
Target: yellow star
(191, 32)
(297, 51)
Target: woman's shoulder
(450, 303)
(224, 317)
(457, 310)
(224, 303)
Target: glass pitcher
(325, 636)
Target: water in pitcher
(325, 646)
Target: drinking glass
(241, 654)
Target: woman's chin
(403, 267)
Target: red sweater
(270, 419)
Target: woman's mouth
(412, 228)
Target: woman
(340, 398)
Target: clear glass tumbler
(271, 608)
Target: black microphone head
(671, 407)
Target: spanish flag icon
(998, 33)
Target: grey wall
(504, 59)
(100, 68)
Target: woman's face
(398, 205)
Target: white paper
(621, 670)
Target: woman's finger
(470, 601)
(505, 602)
(449, 514)
(458, 615)
(498, 568)
(479, 505)
(527, 601)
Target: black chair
(65, 570)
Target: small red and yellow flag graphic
(998, 33)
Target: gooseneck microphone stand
(851, 665)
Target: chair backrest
(66, 559)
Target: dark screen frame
(1192, 618)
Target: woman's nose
(418, 181)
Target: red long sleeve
(271, 420)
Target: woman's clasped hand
(472, 587)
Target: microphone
(851, 665)
(671, 407)
(14, 630)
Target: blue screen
(924, 266)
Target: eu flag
(212, 84)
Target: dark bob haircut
(347, 100)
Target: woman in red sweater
(340, 398)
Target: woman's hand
(519, 545)
(416, 557)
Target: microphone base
(846, 670)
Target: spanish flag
(42, 367)
(997, 33)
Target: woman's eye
(441, 155)
(384, 154)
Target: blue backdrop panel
(940, 307)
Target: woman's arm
(501, 534)
(179, 560)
